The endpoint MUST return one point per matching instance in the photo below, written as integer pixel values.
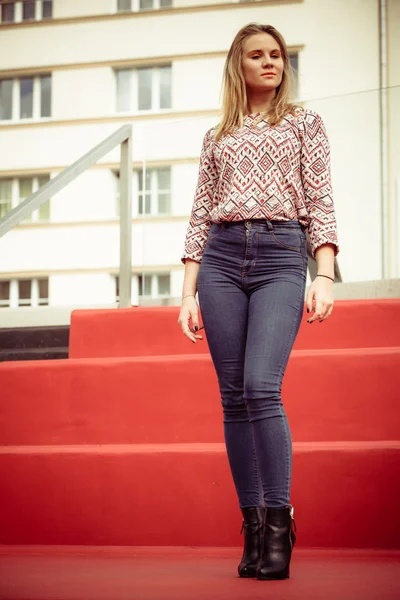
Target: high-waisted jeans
(251, 288)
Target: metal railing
(122, 137)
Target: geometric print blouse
(262, 172)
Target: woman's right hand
(190, 311)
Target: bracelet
(187, 296)
(327, 276)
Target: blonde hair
(235, 104)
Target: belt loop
(269, 225)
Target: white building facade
(72, 72)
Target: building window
(154, 4)
(124, 5)
(144, 89)
(8, 12)
(26, 10)
(24, 292)
(45, 96)
(4, 293)
(5, 196)
(14, 191)
(6, 94)
(294, 61)
(47, 9)
(154, 286)
(27, 186)
(154, 191)
(116, 289)
(153, 187)
(136, 5)
(25, 98)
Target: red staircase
(115, 480)
(122, 443)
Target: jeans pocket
(288, 238)
(215, 230)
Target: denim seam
(304, 256)
(281, 373)
(215, 235)
(256, 470)
(255, 250)
(295, 248)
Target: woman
(264, 179)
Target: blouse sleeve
(316, 179)
(199, 223)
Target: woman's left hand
(320, 299)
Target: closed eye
(259, 56)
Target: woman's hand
(320, 299)
(190, 311)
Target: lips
(267, 74)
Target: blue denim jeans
(251, 288)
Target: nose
(267, 62)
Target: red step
(328, 394)
(345, 494)
(346, 395)
(150, 331)
(129, 450)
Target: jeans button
(247, 222)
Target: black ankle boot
(253, 521)
(279, 539)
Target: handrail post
(125, 224)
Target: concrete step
(33, 354)
(34, 343)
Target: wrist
(332, 278)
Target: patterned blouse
(262, 172)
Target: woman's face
(261, 55)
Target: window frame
(135, 6)
(155, 191)
(34, 5)
(19, 12)
(14, 6)
(139, 193)
(37, 99)
(14, 300)
(154, 285)
(9, 201)
(133, 87)
(16, 200)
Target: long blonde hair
(235, 104)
